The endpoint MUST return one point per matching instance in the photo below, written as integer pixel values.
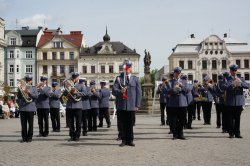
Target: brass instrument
(93, 89)
(177, 86)
(197, 88)
(71, 89)
(24, 88)
(236, 82)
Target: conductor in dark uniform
(26, 100)
(234, 101)
(127, 91)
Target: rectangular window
(28, 54)
(29, 69)
(45, 69)
(61, 55)
(84, 69)
(71, 68)
(102, 69)
(190, 64)
(92, 69)
(11, 54)
(238, 63)
(214, 77)
(190, 77)
(246, 63)
(11, 68)
(45, 57)
(54, 70)
(111, 69)
(204, 64)
(181, 64)
(53, 55)
(214, 64)
(71, 56)
(111, 84)
(11, 82)
(246, 76)
(12, 41)
(120, 68)
(62, 69)
(224, 64)
(58, 44)
(17, 68)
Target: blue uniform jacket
(43, 97)
(104, 97)
(54, 100)
(71, 103)
(177, 99)
(163, 92)
(85, 98)
(25, 106)
(133, 92)
(190, 98)
(234, 96)
(94, 98)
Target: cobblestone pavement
(205, 145)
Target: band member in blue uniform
(27, 94)
(234, 101)
(55, 96)
(104, 105)
(161, 90)
(127, 91)
(177, 91)
(197, 104)
(219, 103)
(43, 107)
(85, 106)
(94, 104)
(74, 106)
(207, 93)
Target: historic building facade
(103, 61)
(211, 56)
(2, 46)
(57, 54)
(20, 54)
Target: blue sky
(141, 24)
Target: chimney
(25, 28)
(225, 35)
(75, 32)
(192, 36)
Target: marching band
(84, 104)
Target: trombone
(69, 87)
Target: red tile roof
(75, 37)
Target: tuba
(23, 87)
(70, 87)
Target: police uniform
(207, 92)
(127, 102)
(234, 101)
(27, 109)
(177, 104)
(197, 104)
(43, 107)
(104, 105)
(74, 109)
(161, 90)
(85, 106)
(54, 99)
(94, 104)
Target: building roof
(118, 47)
(75, 37)
(25, 32)
(238, 48)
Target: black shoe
(23, 140)
(170, 132)
(57, 130)
(199, 118)
(131, 144)
(118, 139)
(174, 138)
(45, 135)
(29, 140)
(238, 136)
(40, 135)
(181, 137)
(122, 144)
(71, 139)
(109, 125)
(204, 124)
(54, 130)
(218, 127)
(100, 125)
(76, 139)
(163, 124)
(189, 127)
(94, 129)
(84, 134)
(231, 136)
(194, 118)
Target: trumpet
(24, 88)
(93, 89)
(236, 82)
(71, 89)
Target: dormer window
(58, 44)
(13, 41)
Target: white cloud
(3, 5)
(34, 21)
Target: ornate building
(20, 54)
(2, 46)
(211, 56)
(57, 54)
(103, 61)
